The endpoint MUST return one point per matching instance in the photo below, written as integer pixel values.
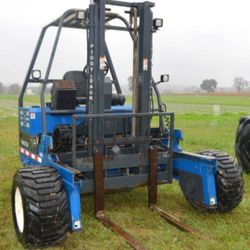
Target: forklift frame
(175, 159)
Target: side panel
(30, 118)
(72, 187)
(202, 169)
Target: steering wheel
(85, 70)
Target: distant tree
(130, 83)
(1, 88)
(14, 89)
(209, 85)
(240, 84)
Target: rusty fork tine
(135, 244)
(173, 220)
(99, 206)
(152, 200)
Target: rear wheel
(39, 207)
(242, 143)
(229, 184)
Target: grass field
(208, 122)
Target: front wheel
(39, 207)
(229, 184)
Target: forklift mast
(142, 39)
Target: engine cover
(63, 95)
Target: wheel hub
(19, 210)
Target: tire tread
(47, 205)
(229, 183)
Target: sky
(201, 39)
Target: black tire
(40, 203)
(229, 184)
(242, 144)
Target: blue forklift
(86, 139)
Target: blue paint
(73, 190)
(205, 167)
(27, 161)
(32, 118)
(178, 136)
(200, 165)
(30, 122)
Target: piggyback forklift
(86, 140)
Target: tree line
(12, 89)
(208, 85)
(239, 83)
(15, 88)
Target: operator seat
(81, 89)
(81, 85)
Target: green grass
(209, 100)
(203, 129)
(205, 99)
(182, 104)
